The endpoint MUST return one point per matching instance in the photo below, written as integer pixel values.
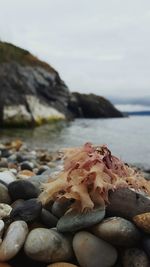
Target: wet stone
(127, 203)
(48, 219)
(27, 211)
(117, 231)
(47, 246)
(4, 195)
(7, 177)
(5, 210)
(13, 240)
(27, 165)
(92, 251)
(60, 207)
(22, 189)
(135, 257)
(74, 221)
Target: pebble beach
(33, 234)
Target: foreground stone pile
(53, 235)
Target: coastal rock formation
(32, 92)
(92, 106)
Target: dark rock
(27, 211)
(42, 170)
(48, 218)
(74, 221)
(4, 195)
(127, 203)
(5, 153)
(146, 245)
(135, 257)
(60, 207)
(27, 165)
(92, 106)
(22, 189)
(117, 231)
(34, 93)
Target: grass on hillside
(10, 52)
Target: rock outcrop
(92, 106)
(32, 92)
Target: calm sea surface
(128, 138)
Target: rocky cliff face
(32, 92)
(92, 106)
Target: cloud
(98, 46)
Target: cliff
(32, 92)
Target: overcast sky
(99, 46)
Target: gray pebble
(47, 246)
(91, 251)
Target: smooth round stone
(48, 219)
(117, 231)
(13, 240)
(62, 264)
(143, 221)
(73, 221)
(38, 180)
(127, 203)
(47, 246)
(91, 251)
(2, 225)
(4, 195)
(135, 257)
(7, 177)
(5, 210)
(146, 245)
(27, 211)
(3, 163)
(22, 189)
(42, 169)
(60, 207)
(27, 165)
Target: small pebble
(7, 177)
(47, 246)
(143, 221)
(91, 251)
(27, 165)
(135, 257)
(62, 264)
(22, 189)
(74, 221)
(117, 231)
(60, 207)
(27, 211)
(4, 195)
(13, 240)
(5, 210)
(48, 219)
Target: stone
(146, 245)
(60, 207)
(135, 257)
(48, 219)
(74, 221)
(2, 225)
(143, 221)
(4, 195)
(127, 203)
(13, 240)
(117, 231)
(47, 246)
(25, 174)
(27, 211)
(22, 189)
(62, 264)
(27, 165)
(5, 210)
(91, 251)
(42, 169)
(7, 177)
